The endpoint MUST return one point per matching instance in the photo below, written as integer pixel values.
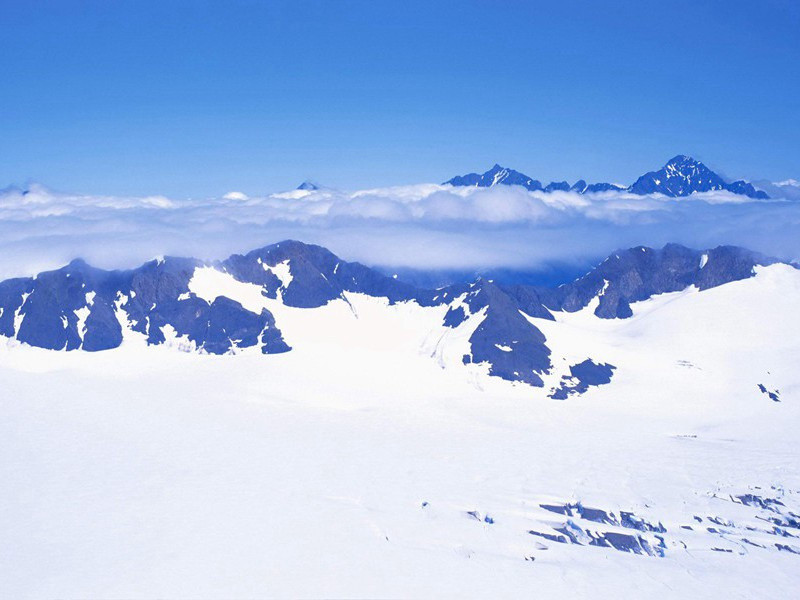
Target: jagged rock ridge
(79, 307)
(680, 176)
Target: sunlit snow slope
(354, 465)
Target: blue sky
(193, 99)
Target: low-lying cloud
(423, 226)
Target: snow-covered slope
(355, 466)
(232, 305)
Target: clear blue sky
(197, 99)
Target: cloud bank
(424, 226)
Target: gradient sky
(195, 99)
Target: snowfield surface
(370, 462)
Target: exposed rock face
(80, 307)
(681, 176)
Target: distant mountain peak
(682, 175)
(308, 185)
(495, 176)
(499, 175)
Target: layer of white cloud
(235, 196)
(423, 226)
(788, 189)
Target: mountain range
(236, 304)
(283, 416)
(679, 177)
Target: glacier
(363, 456)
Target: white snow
(499, 176)
(18, 316)
(448, 346)
(602, 291)
(129, 336)
(180, 342)
(83, 313)
(145, 472)
(209, 284)
(703, 260)
(282, 271)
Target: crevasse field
(370, 462)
